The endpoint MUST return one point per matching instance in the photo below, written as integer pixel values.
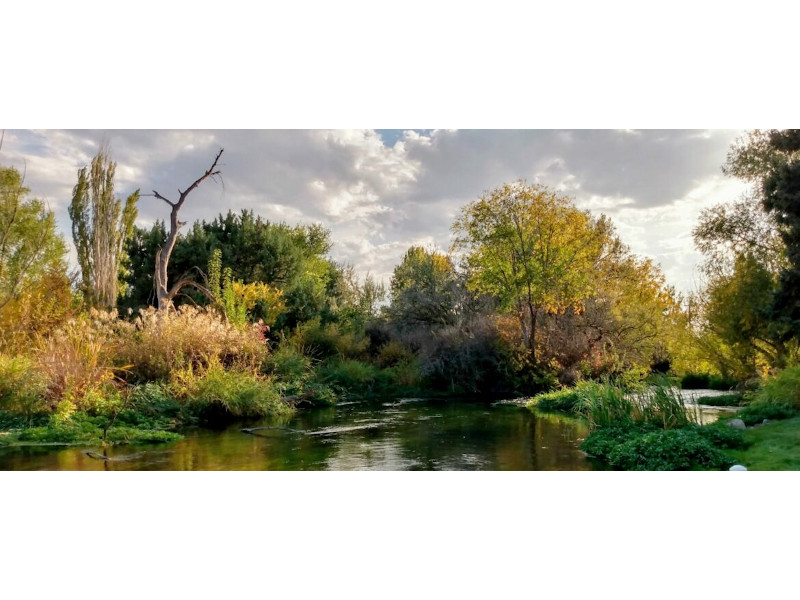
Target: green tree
(531, 248)
(100, 226)
(425, 290)
(30, 247)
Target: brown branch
(160, 197)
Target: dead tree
(165, 293)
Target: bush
(159, 343)
(695, 381)
(214, 394)
(719, 434)
(601, 442)
(349, 376)
(394, 353)
(84, 429)
(783, 389)
(567, 400)
(724, 400)
(758, 411)
(22, 387)
(75, 360)
(704, 381)
(327, 341)
(288, 365)
(668, 450)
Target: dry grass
(157, 343)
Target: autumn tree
(100, 226)
(532, 249)
(425, 289)
(30, 247)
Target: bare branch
(160, 197)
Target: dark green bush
(722, 436)
(725, 400)
(758, 411)
(601, 442)
(668, 450)
(704, 381)
(695, 381)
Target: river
(402, 434)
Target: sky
(381, 191)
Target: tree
(100, 226)
(165, 294)
(30, 247)
(532, 249)
(425, 289)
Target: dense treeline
(534, 294)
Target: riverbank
(771, 447)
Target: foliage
(756, 412)
(30, 247)
(668, 450)
(349, 376)
(706, 381)
(40, 307)
(567, 400)
(291, 259)
(783, 388)
(320, 341)
(84, 429)
(76, 360)
(237, 299)
(158, 343)
(100, 227)
(215, 393)
(660, 405)
(721, 435)
(425, 290)
(724, 400)
(532, 249)
(22, 386)
(601, 442)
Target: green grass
(773, 447)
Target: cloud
(379, 192)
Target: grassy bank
(771, 447)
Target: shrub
(784, 388)
(349, 376)
(719, 434)
(75, 360)
(214, 393)
(567, 400)
(22, 387)
(724, 400)
(327, 341)
(758, 411)
(288, 365)
(394, 353)
(695, 381)
(668, 450)
(704, 381)
(601, 442)
(158, 343)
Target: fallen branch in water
(252, 430)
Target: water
(403, 434)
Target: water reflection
(398, 435)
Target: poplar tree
(100, 226)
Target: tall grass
(660, 405)
(159, 343)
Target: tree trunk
(164, 293)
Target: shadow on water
(404, 434)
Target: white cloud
(378, 199)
